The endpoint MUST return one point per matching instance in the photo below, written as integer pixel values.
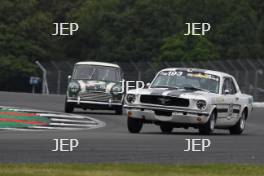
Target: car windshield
(187, 80)
(94, 72)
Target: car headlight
(131, 98)
(116, 90)
(201, 104)
(74, 87)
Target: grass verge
(129, 170)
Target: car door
(225, 109)
(236, 105)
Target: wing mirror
(147, 85)
(227, 92)
(69, 78)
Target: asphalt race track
(113, 143)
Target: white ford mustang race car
(186, 97)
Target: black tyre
(119, 111)
(68, 107)
(240, 126)
(134, 125)
(209, 126)
(166, 128)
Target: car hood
(181, 93)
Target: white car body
(152, 104)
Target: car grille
(164, 100)
(96, 96)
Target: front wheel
(68, 107)
(239, 127)
(209, 126)
(134, 125)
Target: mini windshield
(94, 72)
(187, 80)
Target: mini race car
(94, 85)
(186, 97)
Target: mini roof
(97, 63)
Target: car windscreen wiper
(195, 88)
(169, 87)
(94, 69)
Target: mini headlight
(130, 98)
(74, 87)
(201, 104)
(116, 90)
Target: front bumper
(174, 115)
(94, 104)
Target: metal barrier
(248, 72)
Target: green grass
(129, 170)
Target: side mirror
(227, 92)
(69, 77)
(147, 85)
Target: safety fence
(248, 72)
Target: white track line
(72, 125)
(51, 128)
(73, 121)
(71, 116)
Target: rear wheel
(166, 128)
(208, 128)
(134, 125)
(68, 107)
(239, 127)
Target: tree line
(123, 30)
